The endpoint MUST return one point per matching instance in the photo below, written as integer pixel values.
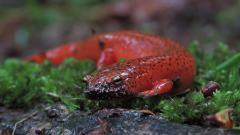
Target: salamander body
(153, 66)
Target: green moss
(122, 60)
(25, 84)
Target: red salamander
(153, 66)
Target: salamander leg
(107, 58)
(163, 86)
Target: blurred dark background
(30, 26)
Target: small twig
(22, 120)
(54, 95)
(77, 86)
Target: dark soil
(57, 120)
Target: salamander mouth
(103, 91)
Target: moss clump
(24, 84)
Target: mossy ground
(25, 84)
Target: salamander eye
(117, 80)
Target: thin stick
(22, 120)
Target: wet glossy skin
(150, 59)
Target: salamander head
(105, 84)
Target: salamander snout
(105, 87)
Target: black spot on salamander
(93, 31)
(176, 83)
(101, 44)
